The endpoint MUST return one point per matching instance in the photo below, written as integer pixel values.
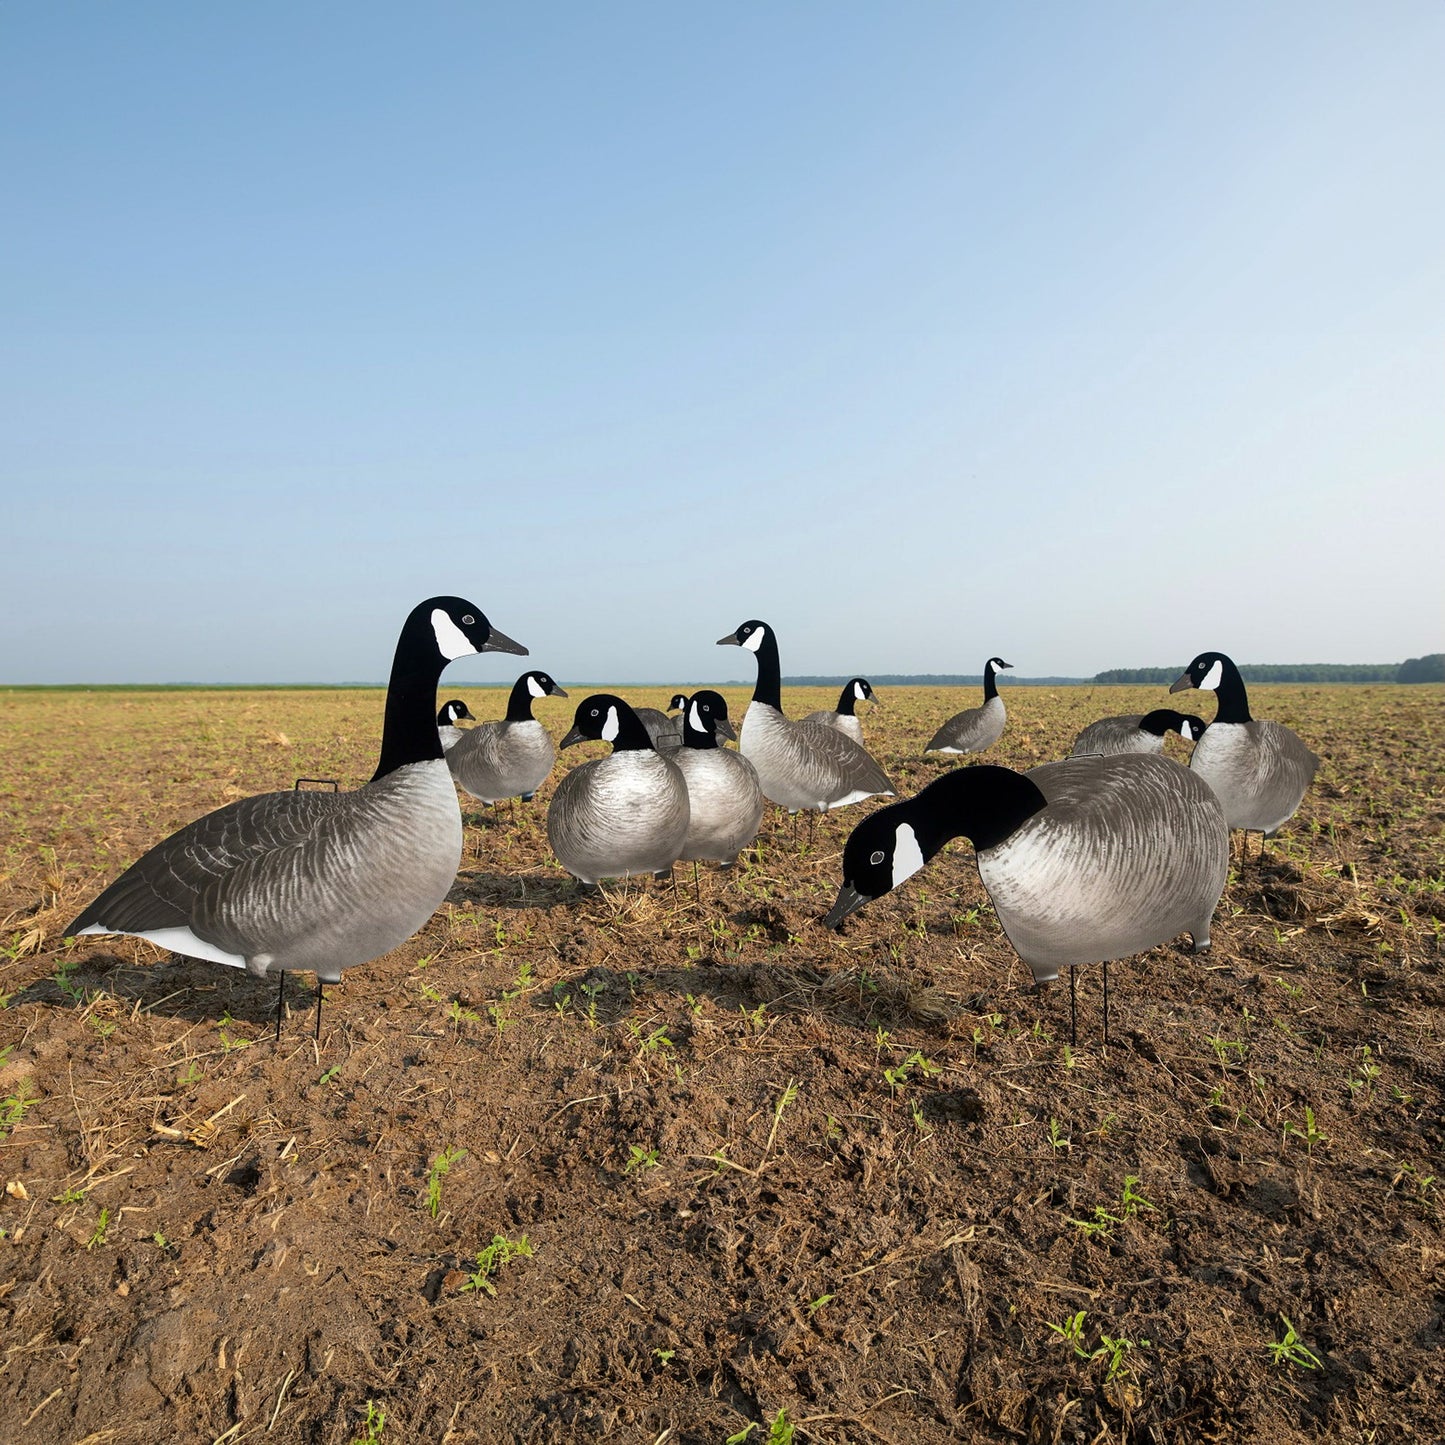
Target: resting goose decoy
(452, 713)
(619, 815)
(1137, 732)
(312, 880)
(1085, 860)
(1260, 770)
(976, 728)
(801, 765)
(510, 758)
(723, 793)
(855, 690)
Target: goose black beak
(729, 641)
(1182, 684)
(850, 900)
(500, 642)
(555, 691)
(575, 736)
(725, 729)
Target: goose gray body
(1129, 853)
(665, 732)
(1260, 771)
(296, 880)
(619, 815)
(972, 730)
(844, 717)
(725, 800)
(502, 759)
(318, 881)
(845, 723)
(807, 765)
(1115, 735)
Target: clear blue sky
(1085, 334)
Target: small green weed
(499, 1253)
(1291, 1349)
(438, 1171)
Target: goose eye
(593, 713)
(468, 620)
(876, 858)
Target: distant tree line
(932, 679)
(1417, 669)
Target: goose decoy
(855, 690)
(800, 765)
(1137, 732)
(618, 815)
(510, 758)
(1260, 770)
(452, 713)
(312, 880)
(724, 797)
(665, 732)
(1085, 860)
(976, 728)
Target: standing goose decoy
(1260, 770)
(450, 715)
(1137, 732)
(665, 732)
(510, 758)
(1085, 860)
(855, 690)
(312, 880)
(976, 728)
(801, 765)
(723, 793)
(618, 815)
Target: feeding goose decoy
(975, 728)
(618, 815)
(1085, 860)
(450, 715)
(800, 765)
(512, 757)
(312, 880)
(855, 690)
(1259, 769)
(1137, 732)
(665, 732)
(724, 797)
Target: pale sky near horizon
(1090, 335)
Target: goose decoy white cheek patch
(611, 727)
(695, 717)
(858, 692)
(754, 639)
(907, 855)
(452, 642)
(536, 688)
(1213, 677)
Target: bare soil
(858, 1185)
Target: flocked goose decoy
(801, 765)
(724, 797)
(1085, 860)
(510, 758)
(450, 715)
(312, 880)
(855, 690)
(1137, 732)
(1260, 770)
(618, 815)
(975, 728)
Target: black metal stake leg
(320, 996)
(1106, 1003)
(1073, 1011)
(280, 1004)
(696, 886)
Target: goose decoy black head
(750, 635)
(604, 717)
(453, 712)
(458, 629)
(1165, 720)
(1206, 672)
(678, 702)
(542, 684)
(997, 663)
(705, 719)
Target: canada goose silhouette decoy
(450, 715)
(1260, 770)
(724, 796)
(315, 880)
(1085, 860)
(975, 728)
(800, 765)
(855, 690)
(619, 815)
(512, 757)
(1137, 732)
